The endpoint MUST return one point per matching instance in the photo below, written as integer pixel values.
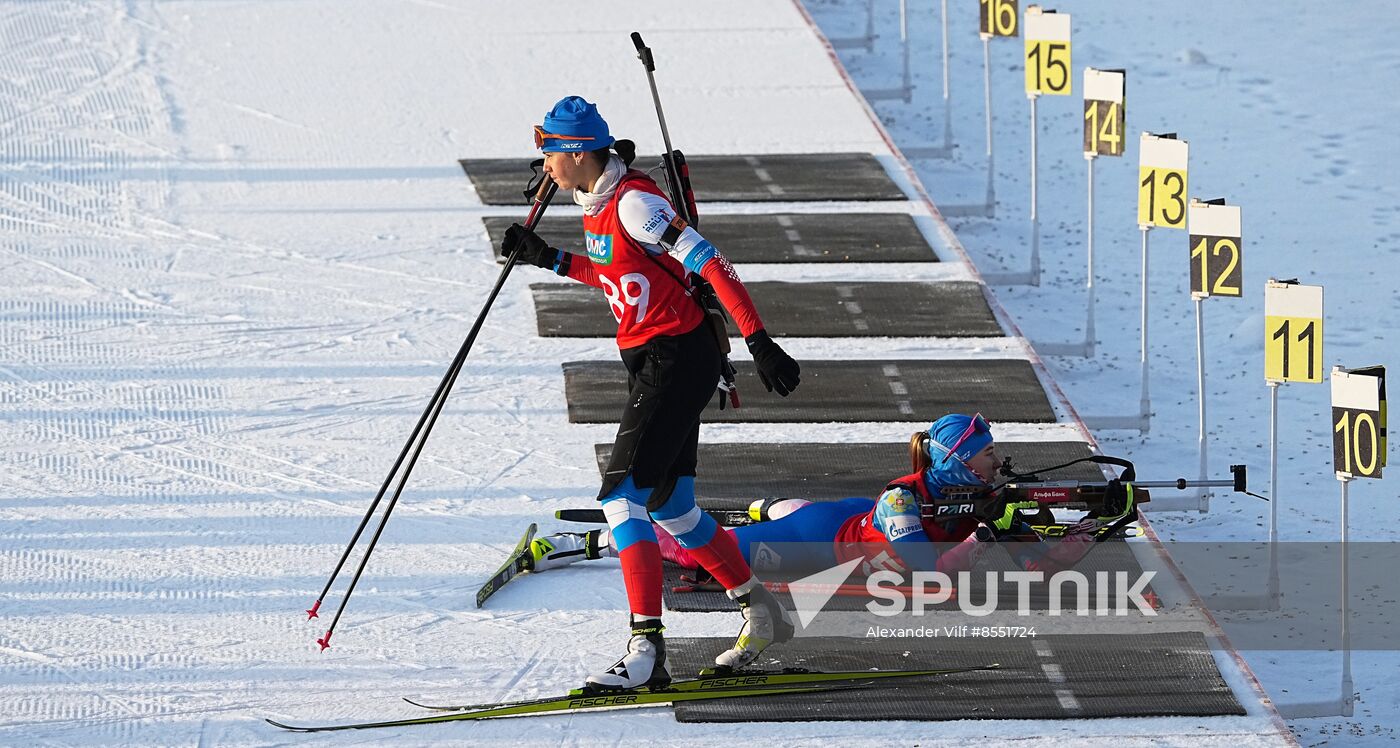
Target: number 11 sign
(1292, 332)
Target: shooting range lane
(733, 475)
(842, 391)
(1099, 568)
(1048, 677)
(772, 238)
(788, 177)
(947, 309)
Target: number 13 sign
(1162, 185)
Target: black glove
(776, 369)
(532, 248)
(1118, 501)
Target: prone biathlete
(642, 256)
(889, 532)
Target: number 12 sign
(1292, 332)
(1216, 260)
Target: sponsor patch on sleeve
(899, 501)
(900, 526)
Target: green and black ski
(710, 680)
(519, 561)
(581, 703)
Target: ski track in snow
(234, 280)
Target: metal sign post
(1292, 348)
(1216, 269)
(997, 18)
(1161, 204)
(1035, 202)
(1348, 688)
(1103, 136)
(1048, 65)
(1273, 601)
(1145, 400)
(1358, 451)
(1201, 438)
(987, 106)
(1292, 353)
(908, 87)
(905, 92)
(947, 96)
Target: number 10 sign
(1358, 421)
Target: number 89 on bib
(1358, 421)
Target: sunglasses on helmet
(978, 425)
(541, 136)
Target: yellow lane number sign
(1162, 181)
(1292, 332)
(1217, 266)
(1047, 52)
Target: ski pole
(429, 418)
(673, 177)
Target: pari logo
(894, 594)
(599, 246)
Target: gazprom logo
(599, 247)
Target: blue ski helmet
(952, 441)
(572, 126)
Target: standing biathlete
(957, 451)
(639, 254)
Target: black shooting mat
(786, 177)
(1108, 557)
(945, 309)
(841, 391)
(1046, 677)
(771, 238)
(731, 476)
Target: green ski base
(710, 679)
(572, 704)
(518, 561)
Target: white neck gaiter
(593, 202)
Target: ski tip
(293, 728)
